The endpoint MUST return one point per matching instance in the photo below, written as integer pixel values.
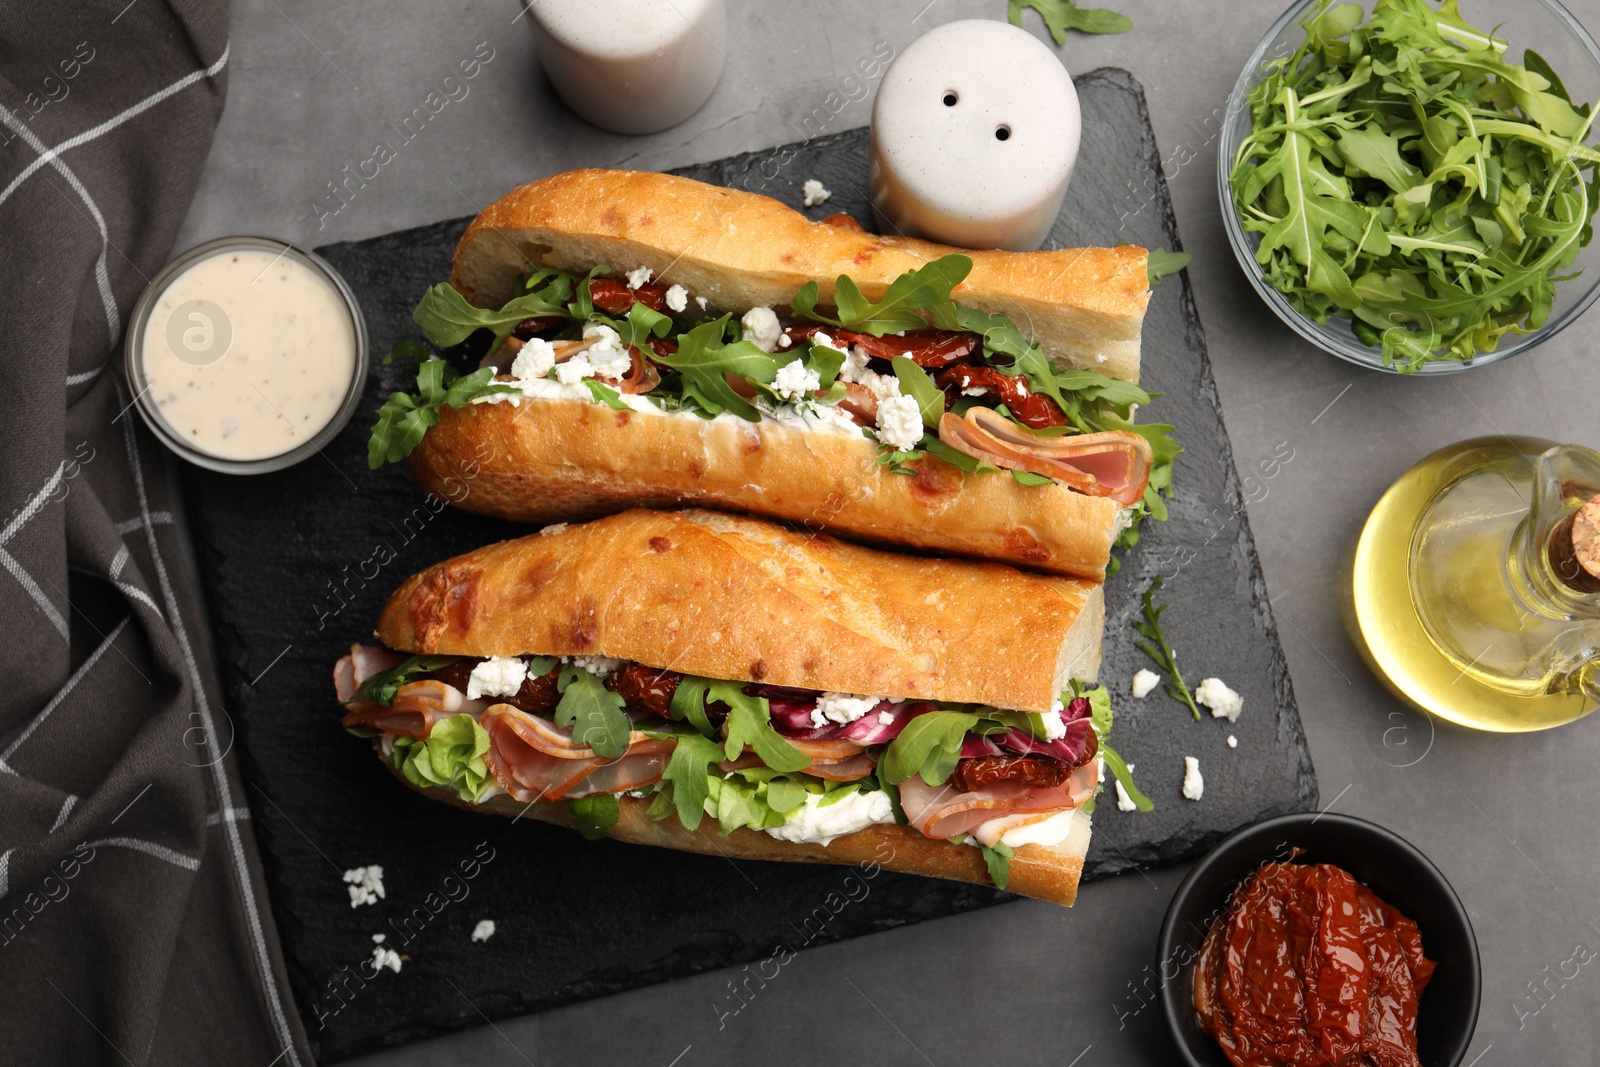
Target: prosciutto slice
(416, 708)
(1115, 463)
(362, 663)
(942, 813)
(532, 760)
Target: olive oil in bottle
(1477, 583)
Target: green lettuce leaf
(704, 359)
(927, 285)
(929, 745)
(998, 859)
(451, 757)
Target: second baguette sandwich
(646, 340)
(704, 682)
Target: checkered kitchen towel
(133, 924)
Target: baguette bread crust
(1084, 306)
(1043, 872)
(744, 600)
(544, 461)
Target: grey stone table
(315, 86)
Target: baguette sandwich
(613, 339)
(720, 684)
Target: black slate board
(297, 564)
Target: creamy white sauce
(813, 824)
(1047, 832)
(247, 355)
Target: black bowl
(1385, 862)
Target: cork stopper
(1575, 548)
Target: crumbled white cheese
(1194, 787)
(701, 301)
(820, 338)
(365, 885)
(554, 528)
(762, 328)
(599, 666)
(497, 676)
(855, 369)
(384, 957)
(1144, 681)
(811, 415)
(796, 380)
(639, 276)
(607, 354)
(1233, 742)
(534, 360)
(1100, 770)
(574, 370)
(816, 824)
(899, 422)
(977, 390)
(1124, 801)
(1054, 727)
(885, 718)
(677, 298)
(814, 192)
(484, 930)
(1223, 702)
(841, 708)
(1022, 389)
(378, 939)
(783, 340)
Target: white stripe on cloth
(66, 809)
(55, 701)
(5, 872)
(9, 562)
(31, 508)
(101, 276)
(149, 848)
(218, 771)
(232, 815)
(84, 376)
(138, 521)
(112, 123)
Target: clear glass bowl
(1544, 25)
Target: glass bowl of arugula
(1411, 192)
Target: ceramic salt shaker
(974, 133)
(631, 66)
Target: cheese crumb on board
(484, 930)
(1124, 801)
(365, 885)
(1144, 681)
(1223, 702)
(1194, 786)
(814, 193)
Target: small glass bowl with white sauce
(247, 354)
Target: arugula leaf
(826, 361)
(955, 457)
(929, 745)
(998, 859)
(582, 305)
(1163, 263)
(750, 723)
(1155, 646)
(1119, 771)
(927, 285)
(915, 383)
(446, 318)
(704, 360)
(1063, 15)
(604, 394)
(1029, 478)
(684, 779)
(382, 687)
(404, 419)
(594, 816)
(593, 711)
(451, 757)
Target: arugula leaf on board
(381, 688)
(1403, 174)
(593, 711)
(927, 285)
(594, 816)
(1063, 15)
(1163, 263)
(1155, 646)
